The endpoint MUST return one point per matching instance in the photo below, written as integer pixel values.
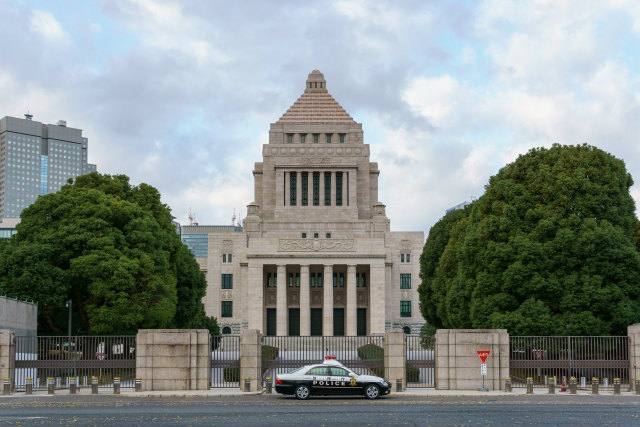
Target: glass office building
(37, 159)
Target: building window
(227, 281)
(363, 280)
(269, 280)
(328, 138)
(401, 257)
(405, 308)
(294, 278)
(328, 235)
(305, 188)
(224, 257)
(312, 279)
(408, 258)
(338, 188)
(342, 138)
(327, 188)
(226, 330)
(405, 281)
(303, 138)
(316, 188)
(290, 138)
(406, 330)
(338, 280)
(316, 137)
(227, 309)
(293, 181)
(229, 257)
(319, 280)
(304, 235)
(315, 235)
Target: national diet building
(315, 255)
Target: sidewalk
(235, 392)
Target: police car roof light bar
(330, 357)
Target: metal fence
(225, 361)
(583, 357)
(362, 354)
(82, 357)
(421, 364)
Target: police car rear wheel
(302, 392)
(372, 391)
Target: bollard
(94, 385)
(138, 384)
(529, 385)
(116, 385)
(507, 385)
(398, 384)
(73, 385)
(616, 386)
(247, 384)
(573, 385)
(637, 386)
(605, 382)
(594, 385)
(269, 385)
(51, 385)
(7, 386)
(29, 386)
(583, 382)
(552, 385)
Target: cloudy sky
(180, 94)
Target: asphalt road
(279, 410)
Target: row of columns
(351, 311)
(345, 192)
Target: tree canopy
(109, 247)
(548, 249)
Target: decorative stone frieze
(317, 245)
(315, 160)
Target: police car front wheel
(372, 391)
(302, 392)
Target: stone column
(327, 305)
(633, 332)
(321, 189)
(395, 357)
(352, 302)
(7, 354)
(458, 364)
(287, 189)
(280, 188)
(344, 188)
(255, 296)
(305, 302)
(333, 188)
(298, 188)
(251, 359)
(377, 312)
(282, 325)
(353, 188)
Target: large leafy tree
(548, 249)
(112, 250)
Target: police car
(330, 378)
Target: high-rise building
(37, 159)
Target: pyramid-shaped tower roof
(316, 105)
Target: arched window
(226, 330)
(406, 329)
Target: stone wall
(19, 316)
(458, 364)
(173, 359)
(634, 353)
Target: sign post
(483, 354)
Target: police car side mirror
(352, 375)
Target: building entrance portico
(317, 299)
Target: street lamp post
(68, 304)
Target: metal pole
(69, 303)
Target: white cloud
(47, 26)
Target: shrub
(372, 352)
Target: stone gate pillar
(251, 358)
(633, 332)
(458, 364)
(395, 356)
(7, 354)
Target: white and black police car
(330, 378)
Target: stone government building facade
(315, 255)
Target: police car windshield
(295, 370)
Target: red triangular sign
(483, 354)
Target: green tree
(548, 249)
(112, 249)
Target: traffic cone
(563, 387)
